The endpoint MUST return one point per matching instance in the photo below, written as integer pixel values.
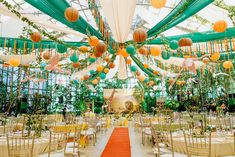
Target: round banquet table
(40, 146)
(220, 146)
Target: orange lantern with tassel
(71, 14)
(155, 51)
(220, 26)
(36, 37)
(140, 35)
(227, 65)
(128, 61)
(93, 41)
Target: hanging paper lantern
(174, 44)
(133, 68)
(92, 72)
(227, 64)
(185, 42)
(205, 60)
(155, 72)
(76, 65)
(146, 80)
(46, 55)
(151, 83)
(92, 59)
(220, 26)
(61, 48)
(36, 37)
(100, 47)
(141, 78)
(83, 48)
(102, 76)
(123, 53)
(166, 55)
(146, 66)
(93, 41)
(14, 62)
(95, 81)
(97, 54)
(111, 51)
(215, 57)
(98, 78)
(178, 83)
(183, 83)
(140, 35)
(138, 73)
(155, 51)
(73, 58)
(106, 70)
(75, 82)
(158, 3)
(86, 77)
(199, 54)
(130, 50)
(71, 14)
(107, 59)
(143, 51)
(99, 68)
(111, 65)
(128, 61)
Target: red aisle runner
(118, 144)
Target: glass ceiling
(145, 17)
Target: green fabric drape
(21, 43)
(176, 16)
(199, 37)
(55, 9)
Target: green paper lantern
(111, 51)
(61, 48)
(133, 68)
(166, 55)
(74, 58)
(42, 66)
(75, 81)
(131, 50)
(92, 60)
(92, 72)
(199, 54)
(146, 80)
(174, 44)
(102, 76)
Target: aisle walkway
(118, 144)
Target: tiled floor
(137, 149)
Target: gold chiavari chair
(145, 128)
(198, 145)
(57, 141)
(20, 146)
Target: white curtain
(119, 15)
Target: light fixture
(229, 2)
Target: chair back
(57, 141)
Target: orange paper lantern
(15, 62)
(128, 61)
(123, 53)
(93, 41)
(36, 37)
(46, 55)
(76, 65)
(143, 50)
(98, 78)
(99, 68)
(106, 70)
(171, 80)
(185, 42)
(137, 73)
(227, 64)
(100, 47)
(86, 77)
(95, 81)
(107, 59)
(155, 51)
(151, 83)
(155, 72)
(141, 78)
(83, 48)
(140, 35)
(71, 14)
(97, 54)
(146, 65)
(111, 65)
(215, 57)
(158, 3)
(220, 26)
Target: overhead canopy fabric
(56, 10)
(181, 12)
(199, 36)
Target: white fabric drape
(24, 59)
(119, 15)
(6, 12)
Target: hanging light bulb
(229, 2)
